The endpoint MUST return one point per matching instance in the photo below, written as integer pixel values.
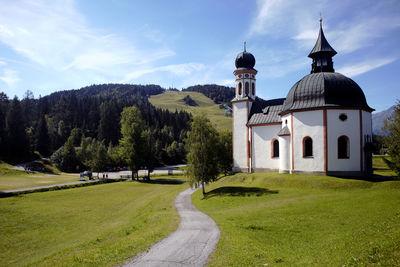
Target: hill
(218, 93)
(174, 100)
(379, 117)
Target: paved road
(190, 245)
(48, 186)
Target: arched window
(307, 147)
(253, 89)
(246, 88)
(275, 148)
(343, 147)
(240, 88)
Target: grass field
(172, 100)
(99, 225)
(11, 179)
(273, 219)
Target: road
(190, 245)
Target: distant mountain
(379, 117)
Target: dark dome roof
(325, 89)
(245, 60)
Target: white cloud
(9, 77)
(363, 67)
(55, 35)
(175, 69)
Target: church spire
(322, 53)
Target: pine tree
(18, 148)
(42, 138)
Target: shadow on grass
(370, 178)
(239, 191)
(162, 181)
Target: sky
(48, 46)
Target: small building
(323, 126)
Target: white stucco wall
(261, 147)
(349, 128)
(239, 111)
(308, 123)
(367, 123)
(284, 154)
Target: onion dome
(325, 89)
(245, 60)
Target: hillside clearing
(275, 219)
(100, 225)
(173, 100)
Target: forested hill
(44, 124)
(218, 93)
(116, 91)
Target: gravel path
(190, 245)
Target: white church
(323, 126)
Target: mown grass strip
(273, 219)
(99, 225)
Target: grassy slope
(303, 220)
(93, 226)
(172, 100)
(11, 179)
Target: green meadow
(173, 100)
(100, 225)
(12, 179)
(271, 219)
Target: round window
(246, 75)
(342, 117)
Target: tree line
(88, 119)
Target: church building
(323, 126)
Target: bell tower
(245, 75)
(245, 95)
(322, 54)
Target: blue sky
(47, 46)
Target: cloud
(55, 35)
(9, 77)
(175, 69)
(346, 29)
(363, 67)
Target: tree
(392, 140)
(202, 157)
(42, 138)
(109, 122)
(69, 160)
(17, 141)
(99, 158)
(132, 143)
(225, 152)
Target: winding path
(190, 245)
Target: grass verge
(11, 179)
(100, 225)
(273, 219)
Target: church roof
(263, 111)
(322, 45)
(284, 131)
(325, 89)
